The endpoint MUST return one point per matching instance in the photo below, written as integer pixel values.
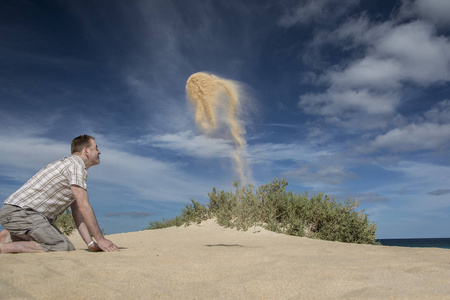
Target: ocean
(422, 243)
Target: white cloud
(440, 113)
(301, 162)
(186, 143)
(423, 176)
(338, 102)
(148, 177)
(369, 72)
(431, 132)
(28, 154)
(145, 177)
(270, 152)
(167, 107)
(393, 54)
(426, 136)
(370, 198)
(205, 150)
(327, 169)
(328, 175)
(424, 57)
(304, 13)
(279, 157)
(435, 11)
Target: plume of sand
(205, 93)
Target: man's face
(93, 154)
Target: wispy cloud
(346, 102)
(426, 136)
(370, 198)
(187, 143)
(314, 11)
(329, 170)
(25, 154)
(146, 177)
(439, 114)
(434, 11)
(419, 174)
(295, 152)
(439, 192)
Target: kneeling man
(28, 215)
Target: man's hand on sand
(94, 247)
(104, 245)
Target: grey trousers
(28, 225)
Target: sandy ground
(211, 262)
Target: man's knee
(27, 225)
(51, 240)
(63, 246)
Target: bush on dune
(276, 209)
(192, 213)
(65, 222)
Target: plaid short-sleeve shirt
(48, 192)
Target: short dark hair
(81, 142)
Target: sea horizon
(443, 243)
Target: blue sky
(349, 99)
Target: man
(28, 214)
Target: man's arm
(82, 228)
(86, 221)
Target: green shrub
(164, 223)
(195, 212)
(277, 210)
(65, 222)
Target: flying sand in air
(217, 102)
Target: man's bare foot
(5, 237)
(20, 247)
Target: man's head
(81, 142)
(86, 147)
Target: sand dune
(211, 262)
